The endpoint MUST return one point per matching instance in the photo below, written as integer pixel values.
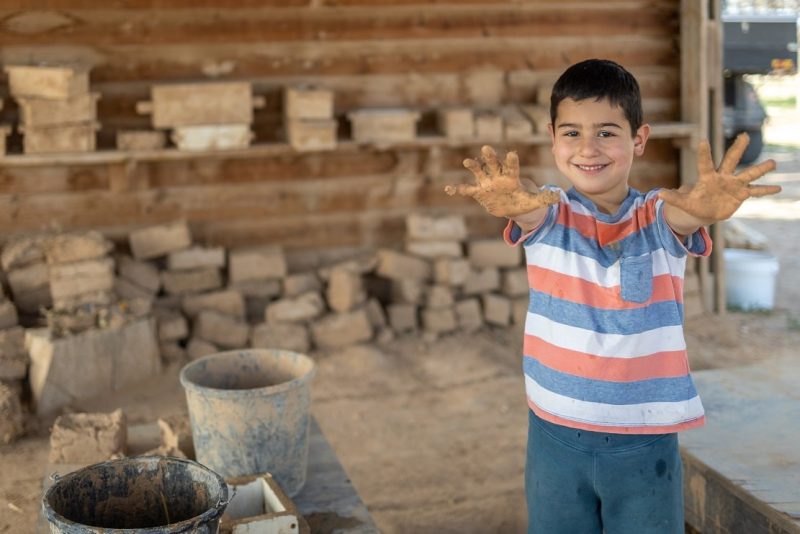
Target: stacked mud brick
(13, 370)
(58, 113)
(384, 127)
(308, 118)
(204, 116)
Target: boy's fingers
(477, 170)
(705, 163)
(490, 160)
(467, 190)
(670, 196)
(764, 190)
(734, 154)
(512, 163)
(756, 171)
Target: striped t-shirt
(604, 347)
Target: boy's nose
(588, 146)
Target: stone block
(435, 249)
(345, 290)
(96, 361)
(375, 313)
(398, 266)
(469, 315)
(13, 355)
(298, 309)
(363, 263)
(341, 329)
(519, 311)
(515, 282)
(96, 298)
(196, 258)
(439, 296)
(403, 317)
(172, 326)
(172, 352)
(191, 281)
(257, 263)
(8, 314)
(286, 336)
(69, 280)
(496, 309)
(127, 290)
(408, 292)
(451, 271)
(222, 330)
(493, 253)
(157, 241)
(21, 251)
(75, 247)
(227, 302)
(265, 289)
(295, 284)
(143, 274)
(176, 433)
(439, 320)
(429, 228)
(12, 421)
(197, 348)
(482, 281)
(88, 438)
(31, 278)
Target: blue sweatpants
(582, 482)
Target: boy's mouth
(591, 168)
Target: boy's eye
(605, 133)
(571, 133)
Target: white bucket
(750, 278)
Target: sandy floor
(433, 434)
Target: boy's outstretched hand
(718, 193)
(498, 188)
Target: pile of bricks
(58, 113)
(308, 118)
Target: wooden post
(717, 140)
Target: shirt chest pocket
(636, 278)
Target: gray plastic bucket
(249, 411)
(142, 494)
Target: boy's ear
(640, 139)
(551, 132)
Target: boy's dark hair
(600, 79)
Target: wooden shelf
(666, 130)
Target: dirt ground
(432, 434)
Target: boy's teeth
(591, 167)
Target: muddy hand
(719, 192)
(498, 188)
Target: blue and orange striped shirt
(604, 347)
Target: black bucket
(143, 494)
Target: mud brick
(375, 313)
(227, 302)
(516, 125)
(108, 359)
(127, 290)
(295, 284)
(451, 271)
(87, 438)
(197, 348)
(341, 329)
(515, 282)
(538, 115)
(172, 326)
(196, 258)
(307, 103)
(297, 309)
(435, 249)
(408, 292)
(543, 93)
(457, 124)
(222, 330)
(439, 296)
(168, 303)
(488, 127)
(191, 281)
(68, 280)
(383, 126)
(212, 136)
(399, 266)
(29, 279)
(485, 87)
(286, 336)
(257, 263)
(175, 432)
(140, 140)
(429, 228)
(439, 320)
(496, 309)
(22, 251)
(403, 317)
(177, 105)
(482, 281)
(171, 351)
(8, 314)
(469, 315)
(12, 421)
(345, 290)
(142, 273)
(13, 355)
(68, 248)
(309, 135)
(157, 241)
(48, 82)
(493, 253)
(519, 311)
(257, 288)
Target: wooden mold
(51, 82)
(195, 104)
(260, 506)
(54, 139)
(44, 112)
(384, 126)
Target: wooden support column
(716, 137)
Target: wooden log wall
(418, 54)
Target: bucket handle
(54, 476)
(231, 495)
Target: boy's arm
(718, 193)
(500, 192)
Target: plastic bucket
(249, 411)
(145, 494)
(750, 278)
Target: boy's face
(594, 148)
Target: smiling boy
(605, 365)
